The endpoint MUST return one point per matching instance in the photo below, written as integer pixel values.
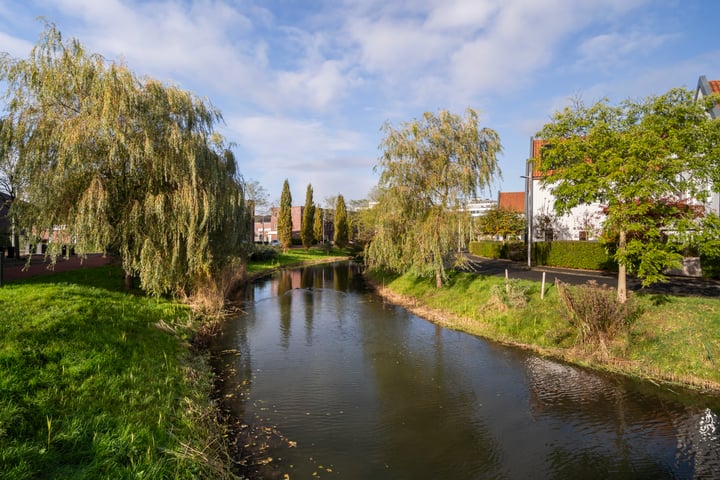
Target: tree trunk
(128, 281)
(438, 278)
(622, 271)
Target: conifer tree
(284, 225)
(342, 233)
(308, 219)
(318, 227)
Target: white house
(704, 88)
(582, 223)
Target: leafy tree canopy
(500, 222)
(428, 170)
(121, 163)
(638, 159)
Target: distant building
(478, 207)
(265, 226)
(512, 201)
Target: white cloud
(610, 50)
(16, 47)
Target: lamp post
(528, 211)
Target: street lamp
(528, 212)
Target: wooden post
(542, 288)
(507, 282)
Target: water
(359, 389)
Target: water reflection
(368, 390)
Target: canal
(351, 387)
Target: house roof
(536, 145)
(513, 201)
(706, 87)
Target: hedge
(568, 254)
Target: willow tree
(284, 223)
(646, 162)
(342, 228)
(428, 170)
(130, 165)
(308, 219)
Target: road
(683, 286)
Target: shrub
(263, 253)
(492, 249)
(574, 254)
(510, 295)
(595, 312)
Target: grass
(98, 383)
(675, 339)
(298, 256)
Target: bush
(263, 253)
(491, 249)
(574, 254)
(510, 295)
(595, 312)
(710, 266)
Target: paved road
(684, 286)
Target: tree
(318, 226)
(258, 201)
(501, 222)
(123, 163)
(342, 231)
(308, 219)
(428, 169)
(284, 224)
(639, 159)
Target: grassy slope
(297, 256)
(676, 339)
(91, 386)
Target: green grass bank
(674, 340)
(96, 382)
(99, 383)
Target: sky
(305, 86)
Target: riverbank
(99, 383)
(675, 341)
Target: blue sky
(305, 86)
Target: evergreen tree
(342, 232)
(319, 227)
(308, 219)
(284, 224)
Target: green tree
(284, 224)
(501, 222)
(120, 162)
(428, 169)
(342, 232)
(318, 227)
(308, 220)
(639, 160)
